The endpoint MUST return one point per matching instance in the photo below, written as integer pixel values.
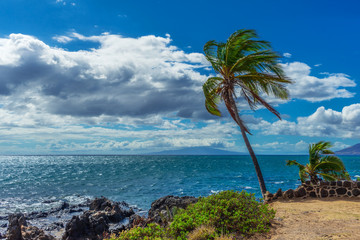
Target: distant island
(353, 150)
(196, 151)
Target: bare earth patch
(316, 219)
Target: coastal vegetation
(322, 164)
(248, 68)
(224, 215)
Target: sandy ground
(316, 219)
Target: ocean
(36, 183)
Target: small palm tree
(329, 167)
(246, 67)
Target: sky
(125, 77)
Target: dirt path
(317, 219)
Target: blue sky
(124, 77)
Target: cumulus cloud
(287, 55)
(277, 146)
(316, 89)
(322, 123)
(123, 77)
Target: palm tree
(245, 67)
(329, 167)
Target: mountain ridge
(196, 151)
(353, 150)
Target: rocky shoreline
(92, 220)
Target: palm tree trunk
(255, 162)
(232, 108)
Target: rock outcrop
(19, 229)
(161, 208)
(95, 222)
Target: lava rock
(32, 232)
(14, 229)
(162, 205)
(300, 192)
(288, 194)
(278, 194)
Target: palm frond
(211, 89)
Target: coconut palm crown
(246, 67)
(321, 164)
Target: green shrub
(151, 232)
(228, 212)
(202, 233)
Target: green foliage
(213, 217)
(246, 67)
(227, 212)
(202, 233)
(151, 232)
(329, 167)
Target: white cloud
(62, 39)
(287, 55)
(316, 89)
(322, 123)
(282, 147)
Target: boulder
(19, 230)
(288, 194)
(324, 193)
(347, 184)
(355, 192)
(94, 223)
(268, 196)
(168, 203)
(278, 194)
(14, 229)
(32, 232)
(341, 191)
(300, 192)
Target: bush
(213, 217)
(202, 233)
(151, 232)
(228, 212)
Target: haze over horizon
(125, 77)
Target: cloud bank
(133, 93)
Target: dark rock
(32, 232)
(349, 193)
(347, 184)
(309, 188)
(312, 194)
(278, 194)
(324, 183)
(166, 203)
(333, 183)
(341, 191)
(85, 226)
(3, 225)
(339, 183)
(332, 191)
(300, 192)
(268, 196)
(356, 192)
(288, 194)
(358, 184)
(99, 204)
(324, 193)
(14, 229)
(307, 183)
(94, 223)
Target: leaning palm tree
(329, 167)
(246, 67)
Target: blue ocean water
(29, 183)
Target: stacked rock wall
(322, 189)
